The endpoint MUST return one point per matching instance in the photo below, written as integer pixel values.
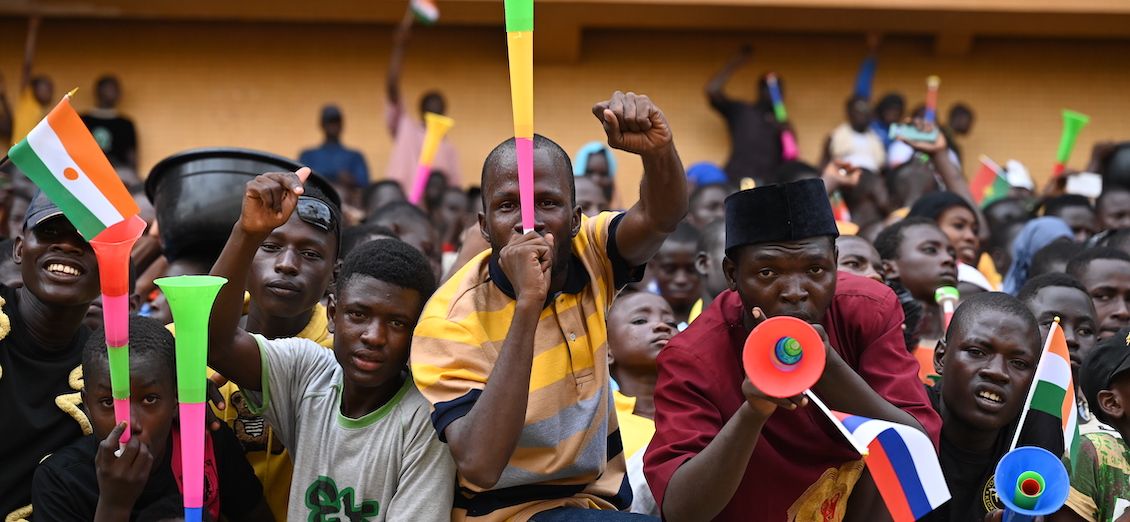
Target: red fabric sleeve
(686, 419)
(884, 361)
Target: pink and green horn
(112, 248)
(1073, 123)
(520, 50)
(190, 300)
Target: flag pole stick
(1032, 387)
(839, 425)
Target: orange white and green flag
(1050, 419)
(61, 157)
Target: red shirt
(699, 389)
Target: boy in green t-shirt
(1100, 481)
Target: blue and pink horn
(190, 300)
(1031, 482)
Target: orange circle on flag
(70, 173)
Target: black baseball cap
(39, 210)
(1107, 360)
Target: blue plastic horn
(1031, 482)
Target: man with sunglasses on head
(289, 275)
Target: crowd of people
(376, 359)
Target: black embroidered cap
(786, 212)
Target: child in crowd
(411, 225)
(858, 257)
(675, 274)
(88, 480)
(357, 428)
(707, 204)
(590, 197)
(987, 361)
(1059, 295)
(1100, 480)
(1113, 207)
(708, 263)
(1105, 273)
(918, 258)
(639, 326)
(1077, 212)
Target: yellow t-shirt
(27, 114)
(635, 431)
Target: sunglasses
(316, 213)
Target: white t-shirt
(387, 465)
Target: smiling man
(512, 351)
(41, 348)
(356, 427)
(723, 450)
(987, 362)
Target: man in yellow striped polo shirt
(512, 350)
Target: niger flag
(1050, 419)
(63, 160)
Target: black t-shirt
(66, 484)
(39, 403)
(968, 474)
(115, 134)
(755, 148)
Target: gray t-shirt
(387, 465)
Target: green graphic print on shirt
(324, 500)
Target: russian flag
(903, 463)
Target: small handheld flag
(436, 126)
(789, 150)
(1073, 123)
(520, 49)
(1050, 419)
(903, 464)
(61, 157)
(989, 183)
(932, 84)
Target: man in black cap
(722, 449)
(41, 340)
(343, 167)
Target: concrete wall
(259, 85)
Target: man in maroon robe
(724, 450)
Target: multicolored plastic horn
(190, 300)
(1031, 482)
(520, 49)
(947, 297)
(1073, 123)
(112, 248)
(783, 356)
(436, 126)
(789, 150)
(932, 84)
